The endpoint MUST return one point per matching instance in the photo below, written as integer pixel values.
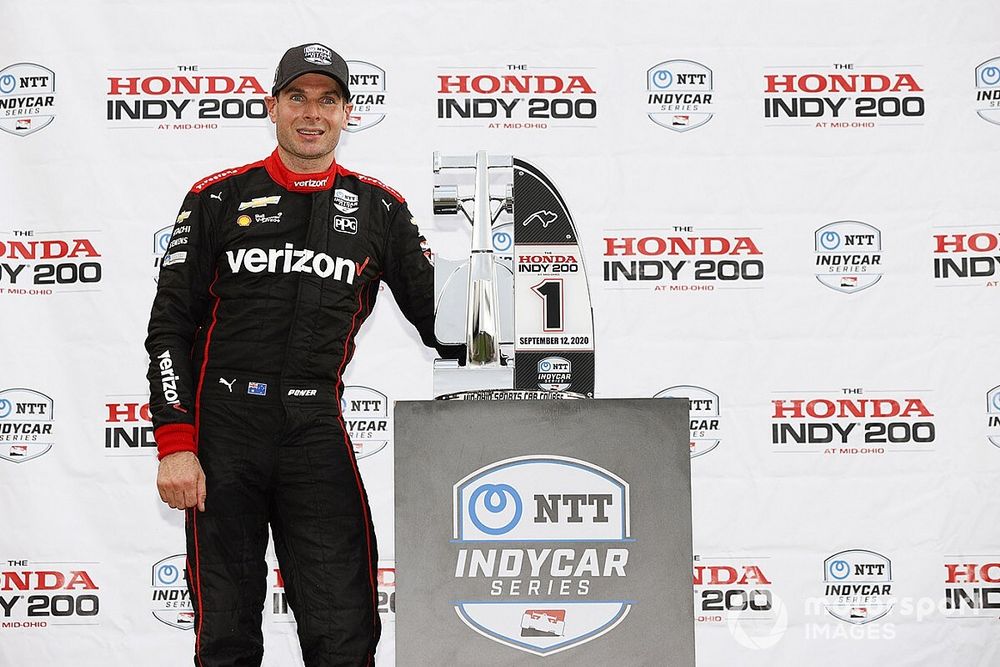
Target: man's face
(309, 114)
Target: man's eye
(330, 100)
(297, 98)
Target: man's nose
(311, 109)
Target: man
(271, 269)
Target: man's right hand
(181, 481)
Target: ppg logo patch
(345, 225)
(541, 545)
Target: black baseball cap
(307, 59)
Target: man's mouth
(310, 133)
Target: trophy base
(450, 378)
(493, 383)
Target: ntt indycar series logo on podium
(542, 543)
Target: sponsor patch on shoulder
(175, 258)
(380, 184)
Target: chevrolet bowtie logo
(259, 202)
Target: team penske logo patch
(259, 202)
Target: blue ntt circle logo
(830, 240)
(662, 78)
(5, 407)
(495, 498)
(990, 76)
(840, 569)
(167, 574)
(502, 241)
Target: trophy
(520, 302)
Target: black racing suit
(267, 278)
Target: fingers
(202, 491)
(181, 482)
(189, 494)
(178, 495)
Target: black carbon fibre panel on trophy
(540, 214)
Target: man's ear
(270, 103)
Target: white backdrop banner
(787, 214)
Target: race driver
(270, 271)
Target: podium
(553, 532)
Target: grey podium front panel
(550, 532)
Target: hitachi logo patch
(292, 260)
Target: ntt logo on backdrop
(367, 419)
(367, 84)
(988, 91)
(679, 95)
(703, 408)
(993, 415)
(27, 98)
(848, 255)
(170, 599)
(858, 586)
(26, 421)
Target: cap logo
(318, 54)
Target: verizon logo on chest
(292, 260)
